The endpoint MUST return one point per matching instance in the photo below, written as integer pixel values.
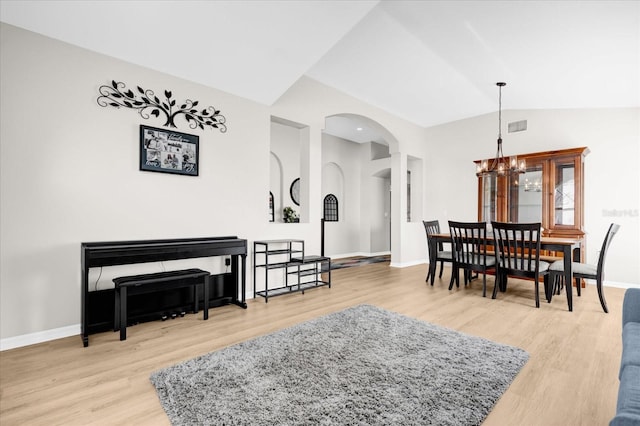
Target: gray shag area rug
(360, 366)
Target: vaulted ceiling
(429, 62)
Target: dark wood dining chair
(437, 253)
(517, 251)
(469, 249)
(585, 270)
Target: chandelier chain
(500, 112)
(500, 166)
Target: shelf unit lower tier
(302, 273)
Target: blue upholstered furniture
(628, 408)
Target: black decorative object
(167, 151)
(147, 103)
(289, 215)
(330, 209)
(294, 190)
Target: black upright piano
(98, 305)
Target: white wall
(378, 210)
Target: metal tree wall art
(148, 103)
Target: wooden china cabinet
(551, 191)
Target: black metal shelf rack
(279, 254)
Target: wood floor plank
(570, 378)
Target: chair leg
(431, 273)
(441, 268)
(548, 288)
(455, 272)
(558, 283)
(484, 284)
(503, 283)
(496, 285)
(601, 295)
(537, 293)
(578, 285)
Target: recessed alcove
(289, 178)
(378, 150)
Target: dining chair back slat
(469, 250)
(517, 251)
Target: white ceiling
(429, 62)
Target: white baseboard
(40, 337)
(614, 284)
(358, 254)
(407, 264)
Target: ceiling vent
(518, 126)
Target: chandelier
(532, 186)
(500, 166)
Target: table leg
(576, 258)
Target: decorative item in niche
(290, 215)
(167, 151)
(294, 190)
(145, 100)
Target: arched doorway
(356, 164)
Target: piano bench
(160, 281)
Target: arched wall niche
(290, 145)
(276, 185)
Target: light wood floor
(570, 379)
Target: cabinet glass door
(489, 198)
(525, 204)
(564, 198)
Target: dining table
(570, 248)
